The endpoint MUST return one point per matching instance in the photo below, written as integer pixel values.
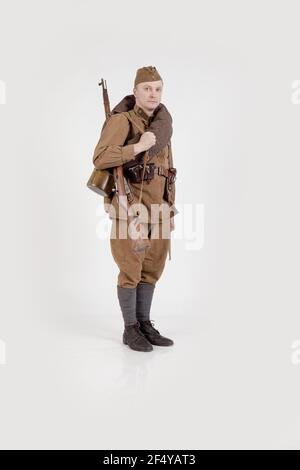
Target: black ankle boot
(135, 339)
(153, 335)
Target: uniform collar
(141, 113)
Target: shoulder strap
(145, 157)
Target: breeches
(145, 266)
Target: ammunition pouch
(135, 172)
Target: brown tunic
(113, 149)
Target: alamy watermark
(187, 223)
(295, 95)
(295, 356)
(2, 92)
(2, 353)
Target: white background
(231, 307)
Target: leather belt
(169, 173)
(134, 173)
(160, 170)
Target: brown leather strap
(160, 170)
(145, 159)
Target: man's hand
(147, 140)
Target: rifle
(139, 244)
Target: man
(140, 123)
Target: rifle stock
(140, 244)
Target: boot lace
(150, 323)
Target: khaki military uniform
(116, 147)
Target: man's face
(148, 95)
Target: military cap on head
(147, 74)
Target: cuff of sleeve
(127, 153)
